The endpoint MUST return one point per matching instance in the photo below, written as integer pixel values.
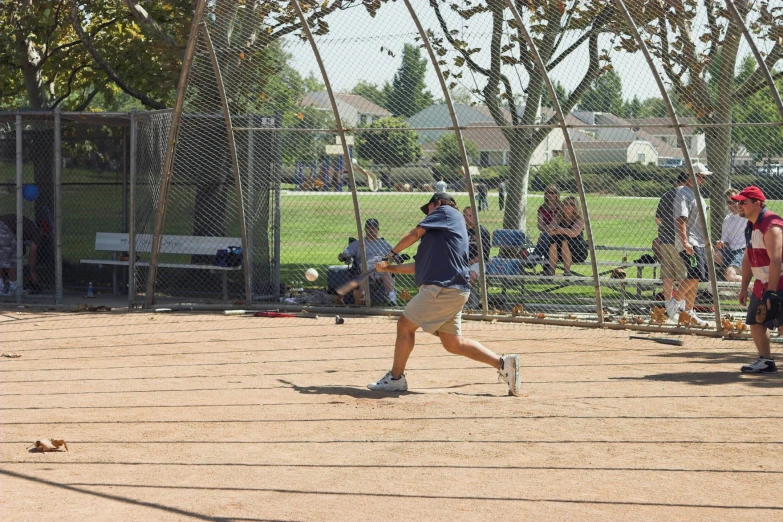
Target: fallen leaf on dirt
(540, 315)
(658, 315)
(12, 355)
(49, 445)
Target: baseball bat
(354, 283)
(662, 340)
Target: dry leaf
(571, 317)
(405, 295)
(685, 320)
(49, 445)
(540, 315)
(623, 320)
(726, 324)
(740, 327)
(658, 315)
(12, 355)
(637, 319)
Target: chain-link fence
(294, 149)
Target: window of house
(641, 158)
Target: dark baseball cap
(751, 192)
(372, 222)
(438, 196)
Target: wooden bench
(117, 243)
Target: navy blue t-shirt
(442, 256)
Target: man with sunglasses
(443, 277)
(763, 254)
(730, 250)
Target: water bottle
(90, 292)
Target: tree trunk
(718, 141)
(520, 153)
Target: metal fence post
(463, 157)
(58, 207)
(341, 133)
(686, 155)
(168, 162)
(234, 160)
(19, 210)
(574, 162)
(132, 208)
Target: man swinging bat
(443, 278)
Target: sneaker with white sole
(760, 365)
(673, 307)
(696, 320)
(387, 383)
(509, 372)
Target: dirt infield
(207, 417)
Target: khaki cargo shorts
(672, 266)
(436, 309)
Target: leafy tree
(604, 95)
(697, 45)
(393, 148)
(633, 108)
(653, 108)
(549, 24)
(560, 92)
(369, 91)
(761, 142)
(447, 151)
(408, 95)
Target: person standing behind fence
(481, 198)
(502, 195)
(689, 240)
(440, 186)
(31, 236)
(672, 268)
(442, 275)
(762, 260)
(730, 250)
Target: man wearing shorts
(672, 268)
(763, 253)
(442, 275)
(689, 240)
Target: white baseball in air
(311, 274)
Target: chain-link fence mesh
(295, 208)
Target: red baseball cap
(751, 192)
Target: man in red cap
(763, 254)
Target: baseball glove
(768, 309)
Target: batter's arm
(409, 239)
(773, 238)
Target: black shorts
(577, 245)
(695, 265)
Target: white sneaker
(388, 384)
(672, 307)
(393, 297)
(695, 319)
(510, 373)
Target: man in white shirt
(440, 186)
(730, 250)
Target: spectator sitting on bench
(546, 215)
(567, 242)
(377, 248)
(730, 250)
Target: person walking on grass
(762, 260)
(443, 278)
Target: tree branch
(70, 83)
(592, 73)
(146, 100)
(143, 18)
(755, 81)
(712, 23)
(472, 65)
(86, 102)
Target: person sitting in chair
(31, 236)
(376, 248)
(567, 242)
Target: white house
(354, 109)
(638, 151)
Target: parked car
(771, 169)
(671, 163)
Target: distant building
(638, 151)
(354, 110)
